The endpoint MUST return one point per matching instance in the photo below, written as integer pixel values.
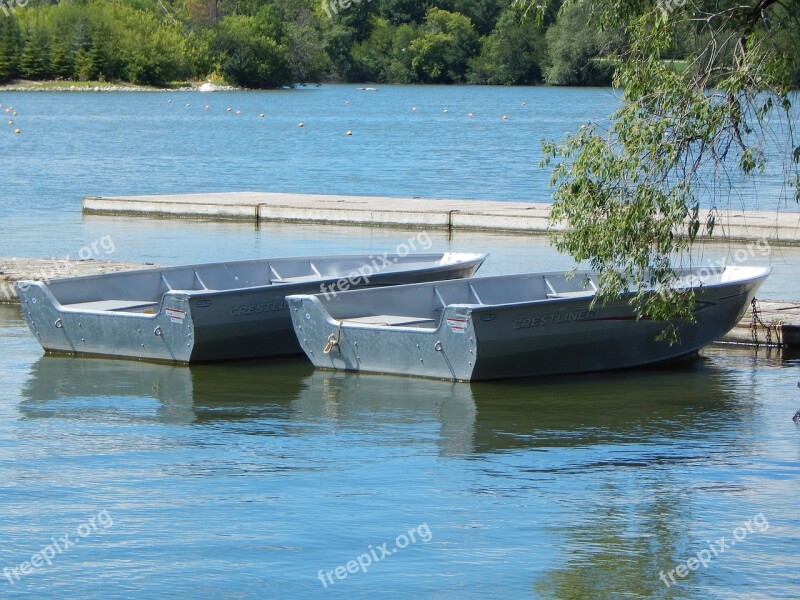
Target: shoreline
(106, 86)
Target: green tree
(575, 45)
(404, 12)
(10, 46)
(199, 52)
(483, 13)
(34, 63)
(62, 63)
(151, 51)
(357, 18)
(375, 54)
(337, 42)
(629, 192)
(249, 57)
(401, 68)
(85, 69)
(443, 52)
(513, 53)
(293, 24)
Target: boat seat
(111, 305)
(578, 294)
(390, 320)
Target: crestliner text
(562, 317)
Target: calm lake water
(260, 479)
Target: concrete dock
(520, 217)
(769, 323)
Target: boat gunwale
(473, 256)
(759, 273)
(463, 258)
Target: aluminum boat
(209, 312)
(510, 326)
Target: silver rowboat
(509, 326)
(208, 312)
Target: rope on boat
(333, 342)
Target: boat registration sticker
(175, 315)
(457, 323)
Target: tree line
(275, 43)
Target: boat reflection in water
(590, 469)
(469, 418)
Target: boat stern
(443, 349)
(165, 334)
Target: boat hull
(524, 339)
(197, 326)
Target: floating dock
(775, 324)
(520, 217)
